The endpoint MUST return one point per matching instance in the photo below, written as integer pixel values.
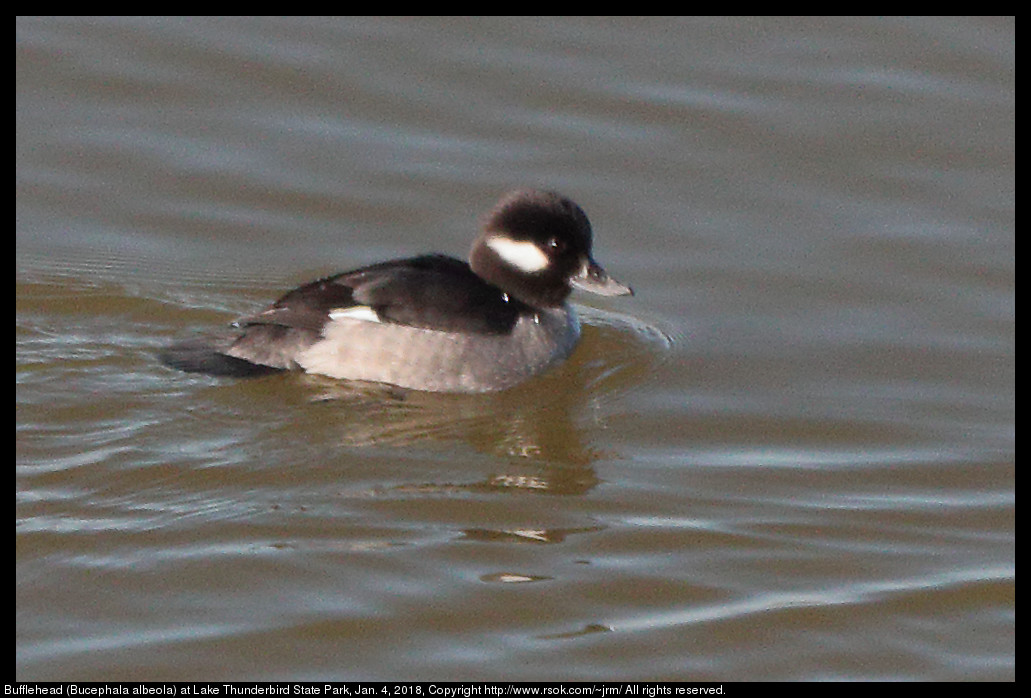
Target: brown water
(789, 456)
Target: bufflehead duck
(431, 322)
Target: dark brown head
(535, 246)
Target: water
(789, 456)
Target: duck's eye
(556, 245)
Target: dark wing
(306, 307)
(430, 292)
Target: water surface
(789, 456)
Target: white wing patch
(355, 312)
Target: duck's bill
(593, 279)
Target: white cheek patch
(524, 256)
(356, 312)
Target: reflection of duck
(432, 322)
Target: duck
(430, 322)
